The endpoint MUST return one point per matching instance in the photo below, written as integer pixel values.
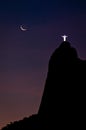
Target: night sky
(24, 55)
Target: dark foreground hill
(64, 97)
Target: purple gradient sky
(24, 56)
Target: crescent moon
(22, 28)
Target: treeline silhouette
(63, 101)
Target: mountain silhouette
(63, 101)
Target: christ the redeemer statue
(64, 38)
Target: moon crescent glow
(22, 28)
